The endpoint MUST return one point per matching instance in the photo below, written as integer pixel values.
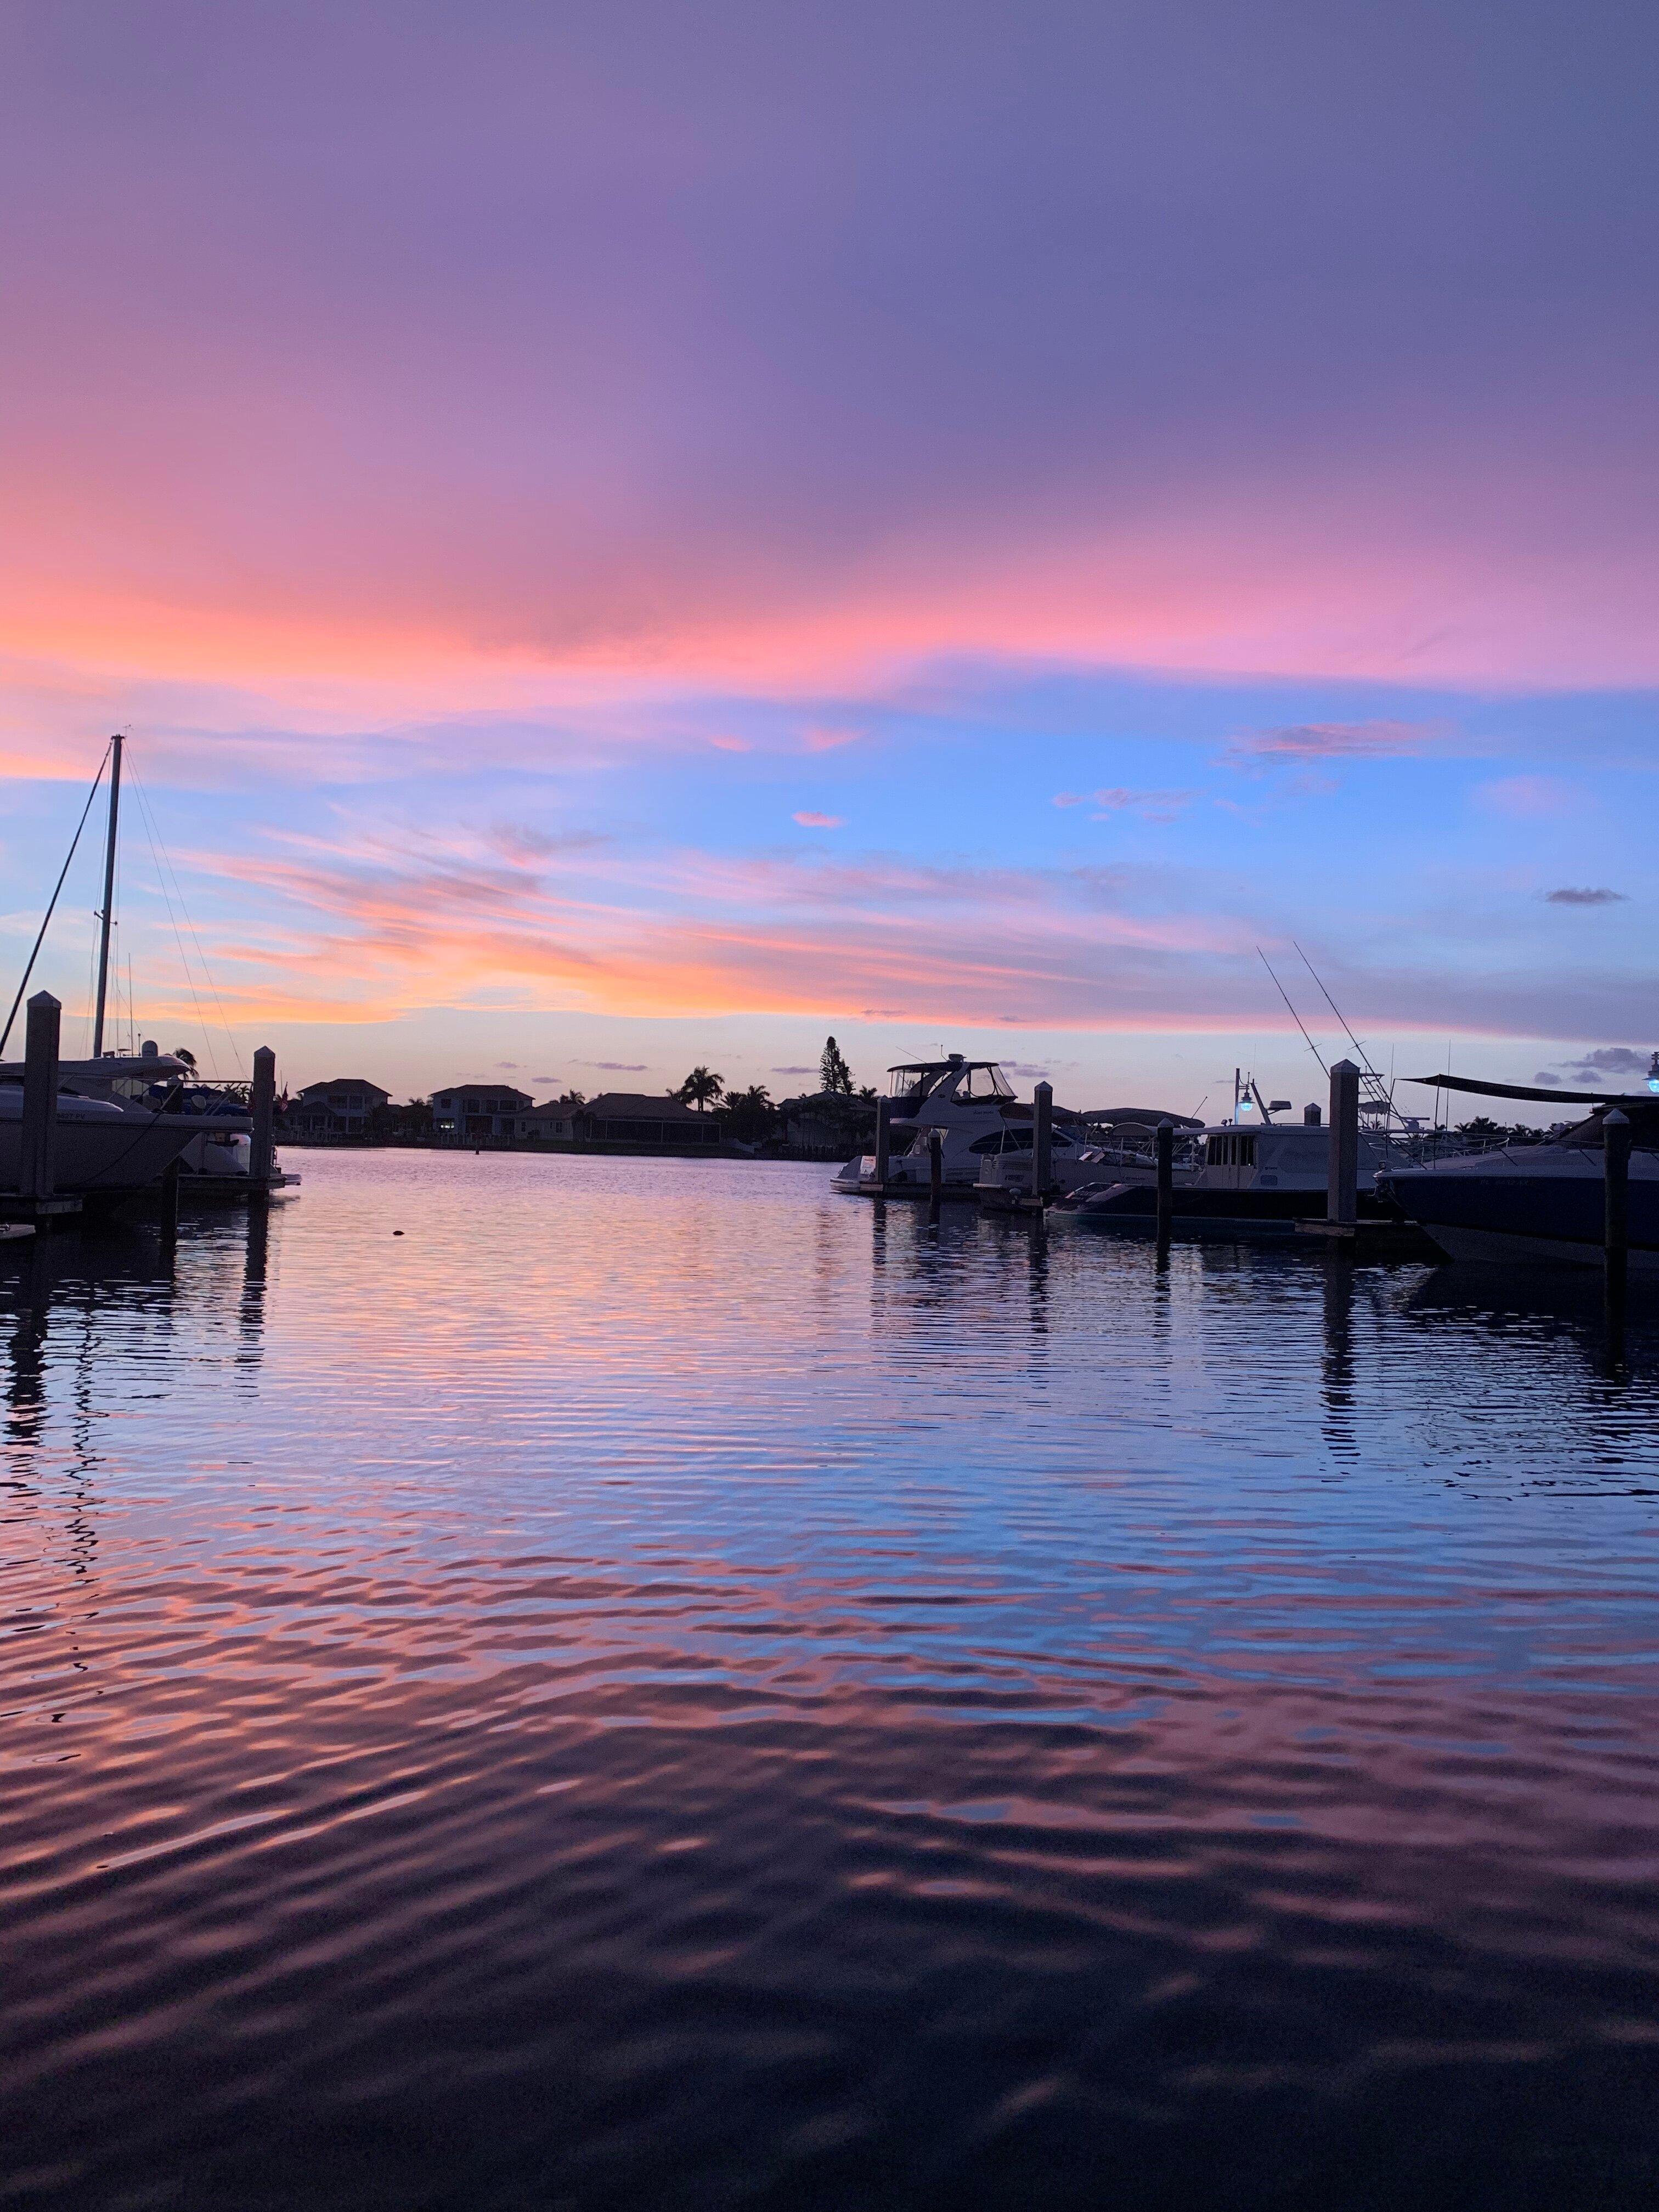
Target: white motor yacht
(972, 1104)
(104, 1145)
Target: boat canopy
(1602, 1098)
(981, 1078)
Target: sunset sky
(630, 534)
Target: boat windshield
(987, 1081)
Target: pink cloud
(808, 820)
(729, 744)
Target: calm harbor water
(660, 1687)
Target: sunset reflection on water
(664, 1685)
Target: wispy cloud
(1116, 798)
(1254, 750)
(1569, 896)
(808, 820)
(1529, 798)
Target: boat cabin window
(985, 1082)
(1232, 1148)
(1020, 1139)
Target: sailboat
(121, 1119)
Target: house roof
(638, 1106)
(342, 1083)
(482, 1089)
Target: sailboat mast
(108, 914)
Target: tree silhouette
(701, 1089)
(833, 1073)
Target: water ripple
(662, 1686)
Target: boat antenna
(107, 914)
(52, 902)
(1295, 1017)
(1337, 1011)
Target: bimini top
(963, 1079)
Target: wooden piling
(171, 1175)
(1342, 1200)
(36, 1169)
(1163, 1153)
(263, 1106)
(883, 1139)
(935, 1171)
(1615, 1174)
(1042, 1143)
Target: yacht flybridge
(971, 1104)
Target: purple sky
(613, 529)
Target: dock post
(37, 1166)
(1042, 1143)
(1615, 1170)
(263, 1106)
(1164, 1153)
(935, 1171)
(883, 1139)
(1342, 1201)
(169, 1190)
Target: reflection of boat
(972, 1104)
(1545, 1201)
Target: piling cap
(1614, 1116)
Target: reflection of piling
(935, 1171)
(263, 1106)
(1342, 1202)
(884, 1139)
(1163, 1153)
(1615, 1173)
(35, 1180)
(1042, 1143)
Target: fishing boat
(1516, 1203)
(1114, 1139)
(1249, 1175)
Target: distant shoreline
(797, 1154)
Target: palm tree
(750, 1112)
(701, 1089)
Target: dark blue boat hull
(1516, 1216)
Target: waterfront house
(552, 1121)
(631, 1117)
(478, 1109)
(340, 1108)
